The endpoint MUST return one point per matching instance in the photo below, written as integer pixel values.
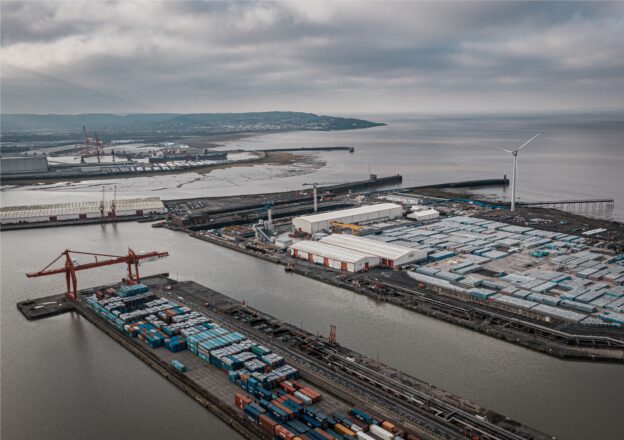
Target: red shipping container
(294, 399)
(267, 424)
(288, 388)
(240, 400)
(312, 394)
(284, 433)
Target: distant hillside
(173, 123)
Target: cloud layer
(125, 56)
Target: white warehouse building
(333, 256)
(423, 215)
(311, 224)
(391, 255)
(79, 210)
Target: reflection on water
(65, 366)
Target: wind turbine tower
(514, 175)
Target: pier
(574, 203)
(345, 377)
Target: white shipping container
(356, 428)
(362, 436)
(380, 432)
(306, 400)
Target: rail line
(432, 415)
(573, 339)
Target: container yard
(23, 170)
(269, 379)
(557, 291)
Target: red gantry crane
(71, 266)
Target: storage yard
(550, 284)
(23, 170)
(269, 379)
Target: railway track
(414, 408)
(520, 324)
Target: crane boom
(132, 260)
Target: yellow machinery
(355, 229)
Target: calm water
(63, 379)
(575, 157)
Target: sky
(322, 57)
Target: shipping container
(314, 395)
(388, 426)
(334, 434)
(343, 430)
(309, 421)
(320, 434)
(267, 424)
(361, 415)
(240, 400)
(380, 432)
(283, 433)
(306, 400)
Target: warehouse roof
(331, 215)
(424, 211)
(55, 209)
(369, 246)
(329, 251)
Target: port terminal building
(80, 210)
(23, 164)
(333, 256)
(354, 254)
(311, 224)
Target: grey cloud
(323, 57)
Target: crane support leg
(72, 272)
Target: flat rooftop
(90, 207)
(331, 215)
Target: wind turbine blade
(527, 142)
(504, 149)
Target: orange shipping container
(284, 433)
(312, 391)
(288, 388)
(388, 426)
(343, 430)
(291, 415)
(312, 394)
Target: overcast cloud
(340, 57)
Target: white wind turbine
(514, 176)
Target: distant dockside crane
(71, 266)
(91, 147)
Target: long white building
(311, 224)
(391, 255)
(333, 256)
(79, 210)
